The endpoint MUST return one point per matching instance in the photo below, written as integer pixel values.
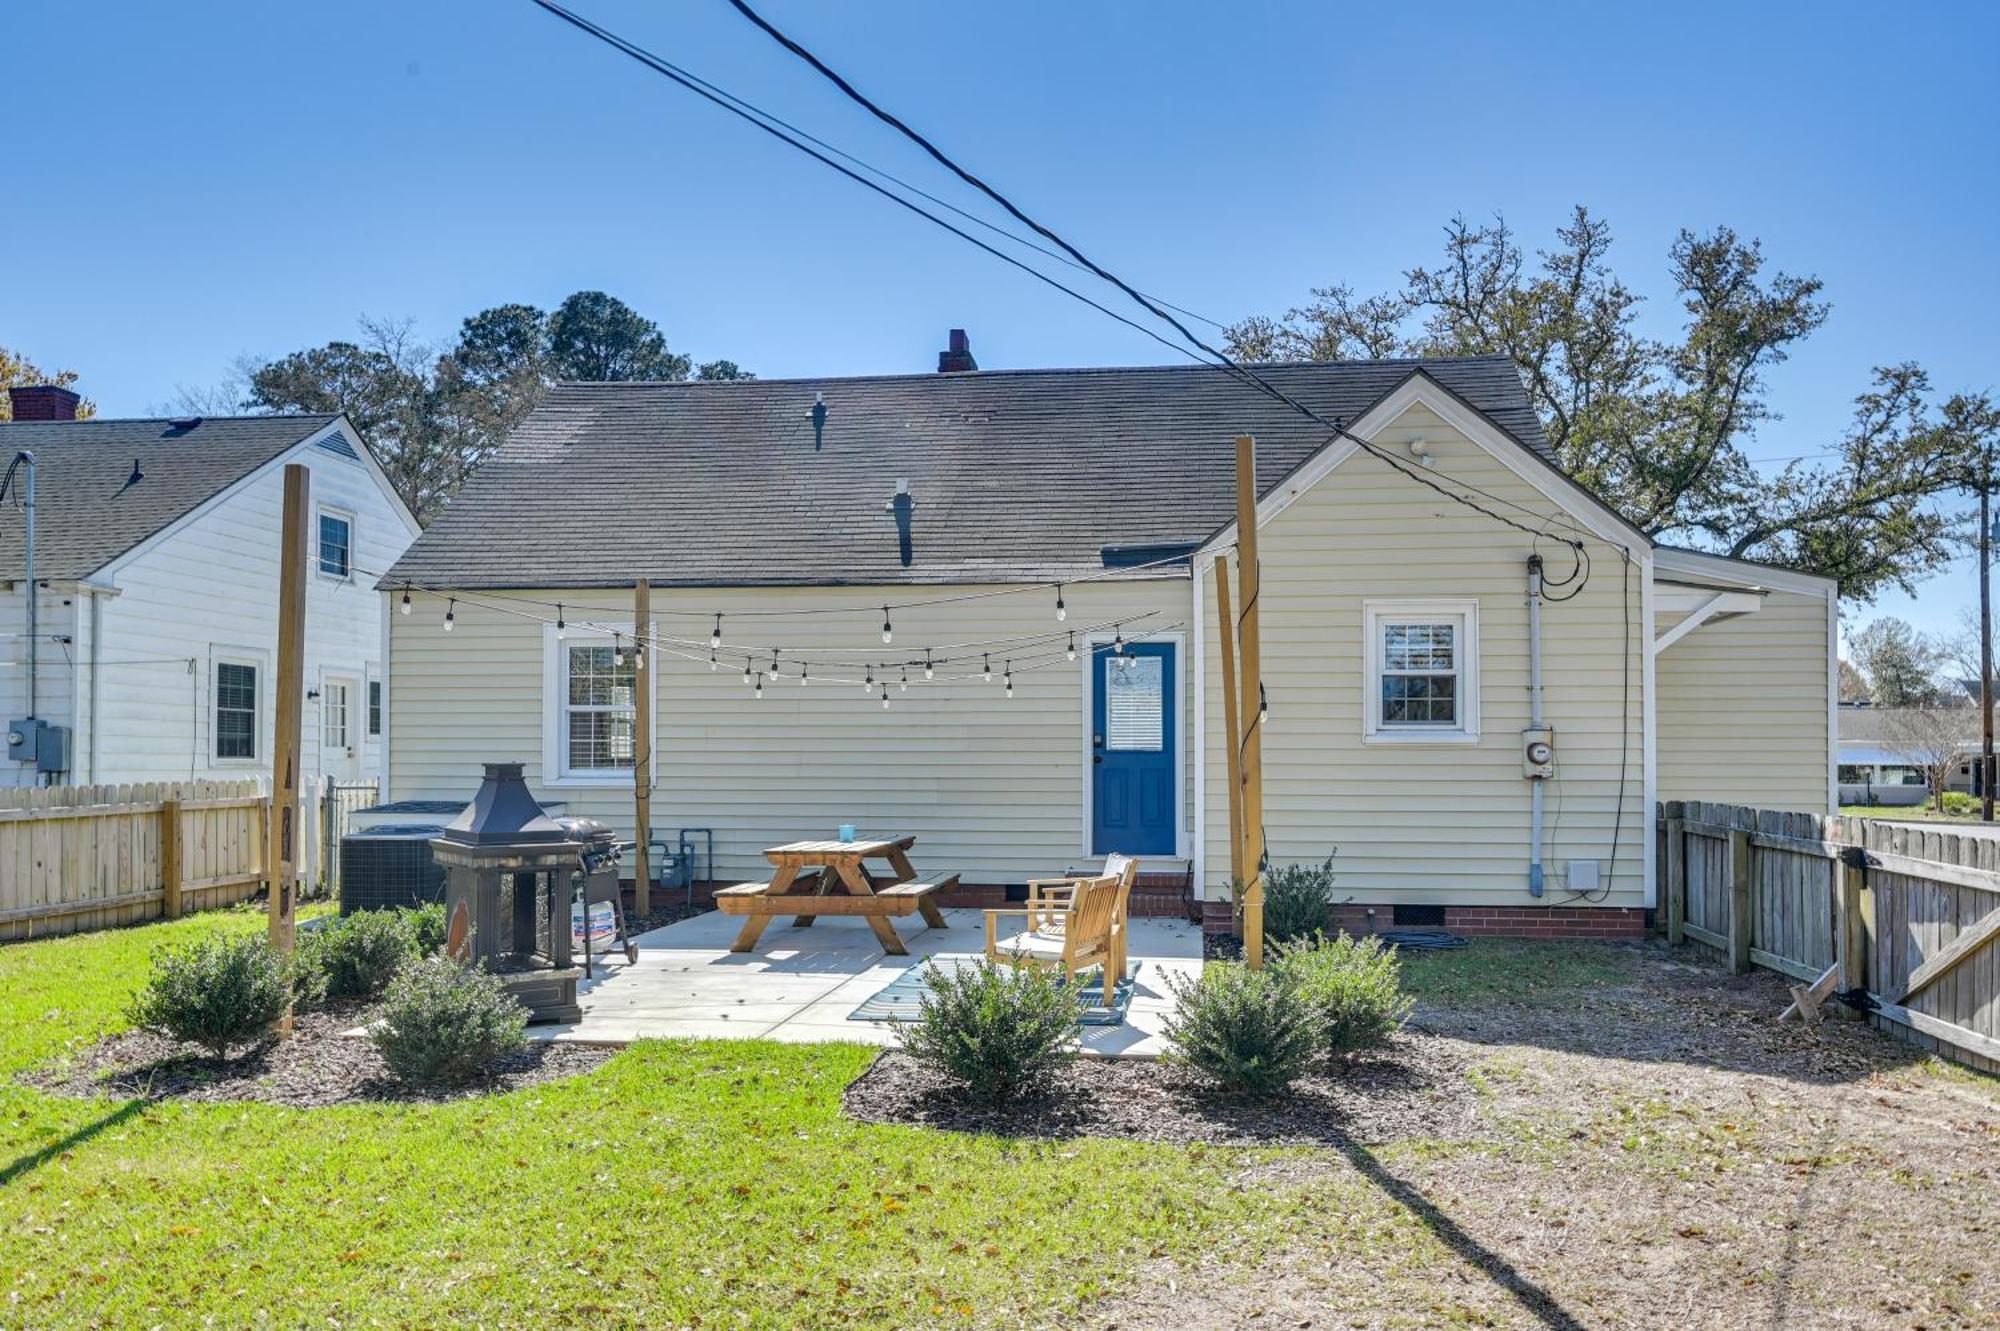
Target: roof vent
(184, 422)
(136, 475)
(957, 356)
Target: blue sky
(196, 182)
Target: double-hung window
(1422, 671)
(336, 543)
(235, 710)
(598, 708)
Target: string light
(1062, 612)
(1263, 704)
(1010, 679)
(562, 629)
(760, 688)
(986, 667)
(713, 664)
(1118, 640)
(715, 638)
(805, 674)
(617, 651)
(868, 684)
(450, 613)
(929, 669)
(904, 686)
(887, 632)
(774, 663)
(638, 655)
(885, 697)
(746, 670)
(1072, 646)
(406, 599)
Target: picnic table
(804, 879)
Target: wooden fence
(93, 857)
(1908, 914)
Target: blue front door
(1134, 781)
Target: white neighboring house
(157, 556)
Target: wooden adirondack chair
(1093, 933)
(1049, 898)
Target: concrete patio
(800, 985)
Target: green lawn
(680, 1181)
(1914, 813)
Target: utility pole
(1986, 631)
(281, 848)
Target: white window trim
(353, 534)
(257, 661)
(555, 747)
(1373, 614)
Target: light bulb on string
(930, 670)
(562, 629)
(746, 670)
(774, 663)
(715, 638)
(1118, 640)
(1062, 611)
(1072, 645)
(617, 651)
(868, 684)
(450, 613)
(1263, 704)
(638, 655)
(904, 686)
(406, 600)
(760, 689)
(1010, 679)
(805, 674)
(986, 667)
(888, 633)
(713, 664)
(885, 697)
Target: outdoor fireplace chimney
(957, 357)
(42, 402)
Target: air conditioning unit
(389, 866)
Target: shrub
(1959, 804)
(1295, 900)
(359, 954)
(443, 1021)
(1000, 1032)
(1243, 1029)
(1351, 988)
(215, 992)
(427, 928)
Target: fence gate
(337, 800)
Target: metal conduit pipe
(1535, 871)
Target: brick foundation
(1472, 921)
(1154, 896)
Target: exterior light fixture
(406, 600)
(450, 613)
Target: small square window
(336, 544)
(1423, 682)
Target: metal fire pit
(507, 892)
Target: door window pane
(333, 714)
(1134, 703)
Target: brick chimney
(42, 402)
(957, 358)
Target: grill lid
(503, 813)
(587, 830)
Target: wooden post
(642, 744)
(1853, 920)
(1250, 712)
(1676, 882)
(281, 853)
(1739, 901)
(173, 861)
(1232, 734)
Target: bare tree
(1931, 739)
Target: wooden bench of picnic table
(897, 899)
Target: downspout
(96, 658)
(1535, 875)
(34, 614)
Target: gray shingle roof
(89, 510)
(1014, 475)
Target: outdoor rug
(903, 997)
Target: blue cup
(847, 832)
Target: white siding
(55, 695)
(1442, 823)
(992, 787)
(1743, 709)
(210, 589)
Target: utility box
(1538, 754)
(41, 743)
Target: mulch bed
(659, 917)
(1415, 1087)
(314, 1066)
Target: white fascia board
(1420, 389)
(1738, 573)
